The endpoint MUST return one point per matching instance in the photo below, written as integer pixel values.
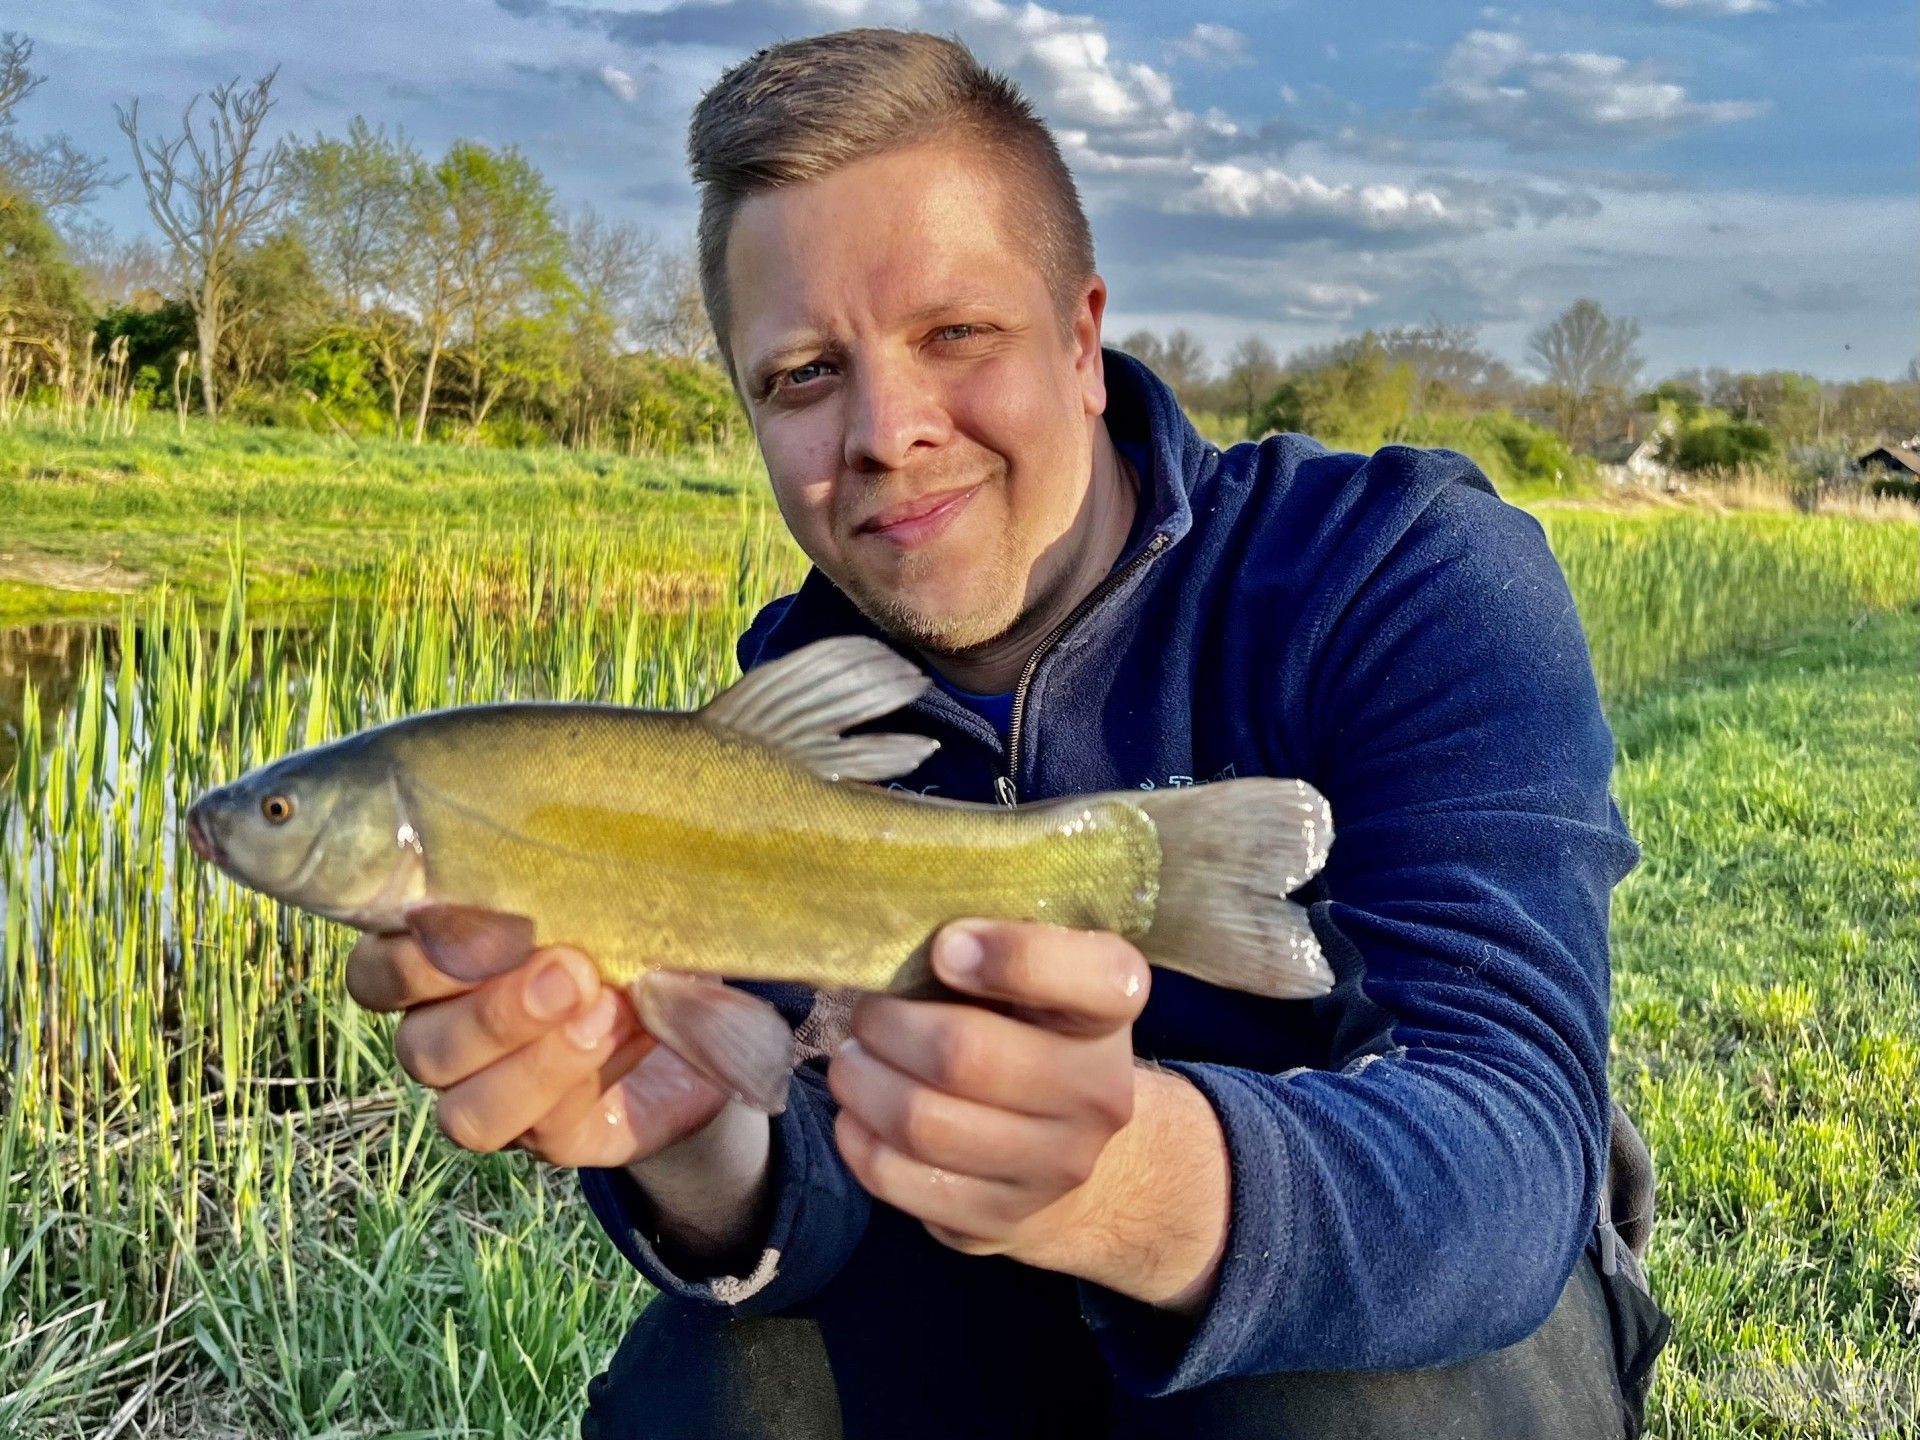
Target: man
(1096, 1205)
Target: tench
(735, 841)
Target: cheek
(803, 463)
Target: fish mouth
(201, 839)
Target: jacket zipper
(1006, 789)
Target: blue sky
(1740, 175)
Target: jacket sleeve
(1424, 1198)
(819, 1211)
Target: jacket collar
(1141, 409)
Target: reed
(220, 1207)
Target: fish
(751, 839)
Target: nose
(894, 406)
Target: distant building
(1902, 461)
(1632, 460)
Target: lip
(200, 838)
(917, 521)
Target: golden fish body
(731, 841)
(657, 841)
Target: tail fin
(1230, 853)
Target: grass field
(223, 1213)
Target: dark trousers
(688, 1372)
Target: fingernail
(553, 992)
(590, 1029)
(960, 953)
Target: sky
(1737, 175)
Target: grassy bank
(89, 518)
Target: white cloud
(1237, 191)
(1495, 83)
(1220, 46)
(1719, 7)
(620, 83)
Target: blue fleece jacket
(1417, 1156)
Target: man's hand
(542, 1056)
(987, 1123)
(1028, 1130)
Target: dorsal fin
(801, 705)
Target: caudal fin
(1230, 853)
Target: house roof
(1894, 457)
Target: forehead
(875, 239)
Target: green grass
(1767, 1009)
(322, 517)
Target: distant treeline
(353, 283)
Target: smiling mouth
(915, 512)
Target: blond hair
(802, 109)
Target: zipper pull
(1003, 790)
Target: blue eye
(798, 375)
(967, 332)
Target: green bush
(1720, 445)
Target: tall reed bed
(1659, 593)
(218, 1208)
(202, 1142)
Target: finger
(644, 1099)
(1087, 982)
(954, 1134)
(390, 972)
(496, 1105)
(996, 1059)
(444, 1043)
(965, 1212)
(587, 1111)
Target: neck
(1104, 523)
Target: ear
(1087, 359)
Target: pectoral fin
(801, 705)
(734, 1039)
(468, 942)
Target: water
(49, 656)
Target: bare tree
(1588, 358)
(673, 318)
(209, 196)
(53, 173)
(117, 271)
(1180, 360)
(1253, 370)
(612, 264)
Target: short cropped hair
(802, 109)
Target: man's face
(900, 353)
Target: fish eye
(278, 809)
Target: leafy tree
(1590, 361)
(509, 255)
(348, 204)
(211, 194)
(1362, 399)
(278, 306)
(43, 305)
